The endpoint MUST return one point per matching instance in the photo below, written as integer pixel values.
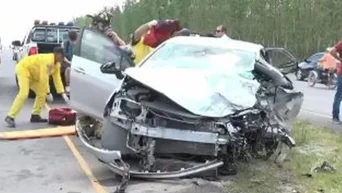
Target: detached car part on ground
(195, 104)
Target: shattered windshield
(201, 57)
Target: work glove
(66, 98)
(49, 98)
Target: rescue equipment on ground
(62, 116)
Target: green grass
(314, 146)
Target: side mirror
(16, 43)
(112, 68)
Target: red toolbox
(62, 116)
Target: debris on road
(325, 167)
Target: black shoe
(37, 119)
(10, 122)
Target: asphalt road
(62, 165)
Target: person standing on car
(222, 32)
(336, 51)
(33, 72)
(68, 50)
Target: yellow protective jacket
(141, 51)
(40, 67)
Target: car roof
(217, 42)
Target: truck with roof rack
(43, 38)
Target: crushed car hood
(202, 92)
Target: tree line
(302, 26)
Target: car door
(89, 87)
(281, 59)
(22, 49)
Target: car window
(38, 35)
(201, 57)
(125, 63)
(63, 35)
(99, 48)
(51, 35)
(279, 57)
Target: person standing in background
(336, 51)
(222, 32)
(68, 50)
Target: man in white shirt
(221, 32)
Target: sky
(17, 16)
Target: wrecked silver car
(194, 104)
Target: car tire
(312, 78)
(299, 75)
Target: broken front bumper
(110, 157)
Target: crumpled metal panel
(206, 93)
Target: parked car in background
(308, 64)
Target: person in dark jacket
(68, 50)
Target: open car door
(281, 59)
(89, 87)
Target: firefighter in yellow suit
(33, 72)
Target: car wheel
(312, 78)
(299, 75)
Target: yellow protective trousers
(25, 84)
